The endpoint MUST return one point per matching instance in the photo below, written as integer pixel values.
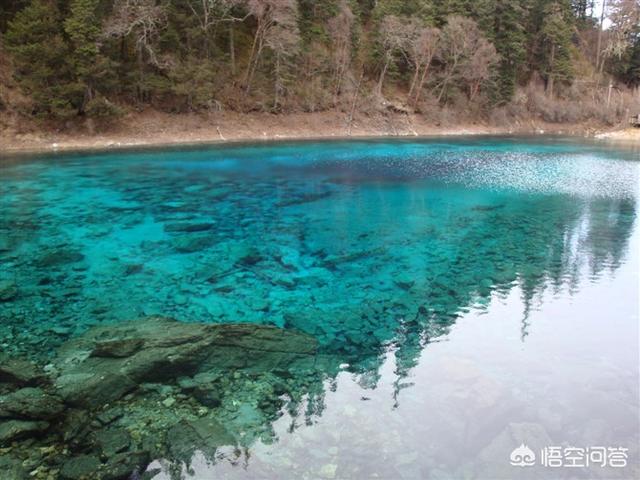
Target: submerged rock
(203, 387)
(12, 468)
(124, 466)
(56, 257)
(133, 268)
(15, 429)
(189, 227)
(404, 281)
(8, 290)
(76, 427)
(121, 466)
(5, 246)
(32, 403)
(205, 435)
(240, 254)
(304, 198)
(113, 440)
(19, 372)
(110, 415)
(93, 389)
(122, 394)
(118, 348)
(107, 362)
(82, 467)
(191, 243)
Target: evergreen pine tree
(555, 45)
(91, 69)
(510, 40)
(35, 40)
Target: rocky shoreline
(131, 400)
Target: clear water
(480, 293)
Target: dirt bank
(156, 128)
(631, 134)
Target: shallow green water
(478, 292)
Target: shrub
(102, 109)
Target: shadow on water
(372, 260)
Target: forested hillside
(489, 59)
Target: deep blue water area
(478, 291)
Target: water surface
(477, 293)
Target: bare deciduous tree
(144, 20)
(210, 13)
(393, 40)
(267, 14)
(625, 21)
(423, 43)
(466, 54)
(315, 66)
(284, 40)
(478, 68)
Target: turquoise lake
(474, 294)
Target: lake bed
(454, 299)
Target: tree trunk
(355, 102)
(421, 83)
(382, 75)
(123, 49)
(599, 45)
(414, 82)
(249, 74)
(276, 92)
(444, 87)
(255, 64)
(551, 73)
(473, 90)
(450, 73)
(341, 68)
(232, 50)
(140, 91)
